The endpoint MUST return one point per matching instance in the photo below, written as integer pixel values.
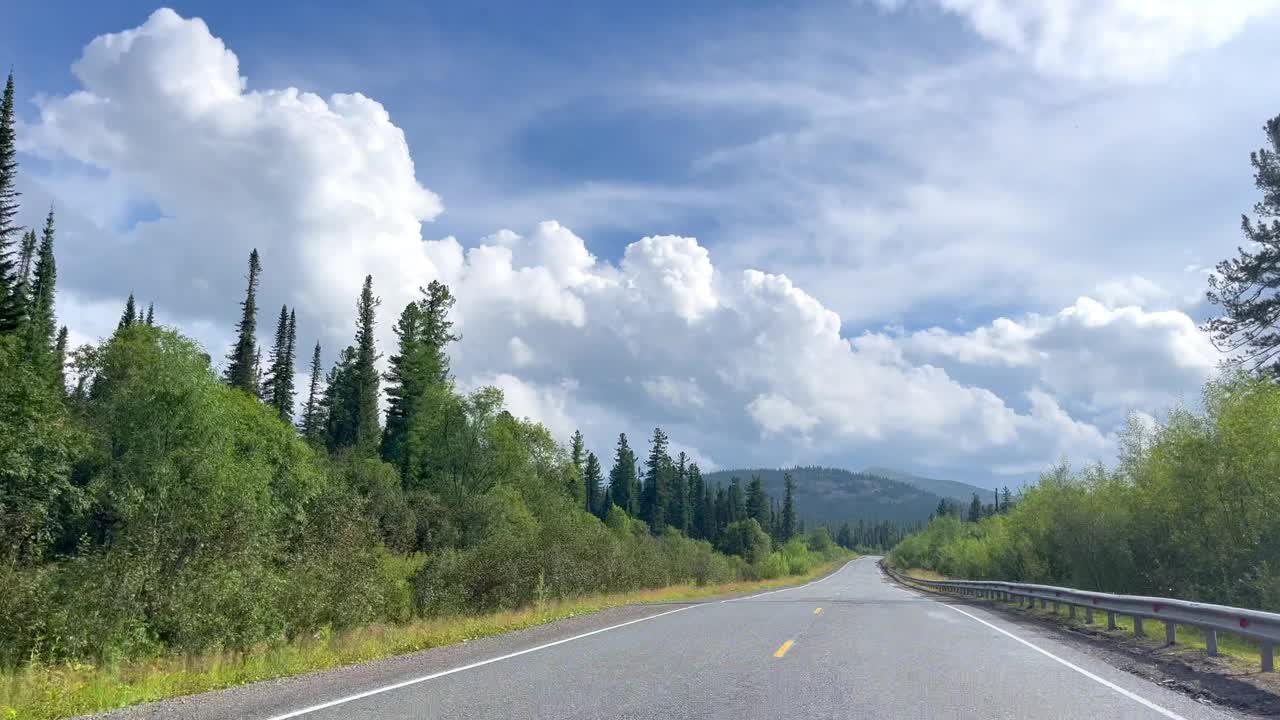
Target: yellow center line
(785, 647)
(817, 610)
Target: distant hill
(830, 495)
(950, 489)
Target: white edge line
(442, 673)
(1132, 696)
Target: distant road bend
(851, 645)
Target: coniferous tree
(338, 402)
(277, 388)
(709, 528)
(313, 417)
(277, 355)
(1006, 499)
(11, 301)
(656, 491)
(788, 529)
(735, 502)
(592, 478)
(60, 360)
(758, 502)
(678, 513)
(844, 538)
(1245, 286)
(698, 497)
(257, 374)
(151, 314)
(420, 362)
(130, 314)
(577, 482)
(364, 373)
(623, 490)
(975, 508)
(26, 265)
(41, 323)
(240, 373)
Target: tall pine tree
(656, 491)
(420, 363)
(278, 386)
(12, 303)
(41, 323)
(130, 314)
(789, 520)
(243, 358)
(338, 402)
(60, 360)
(592, 480)
(758, 502)
(678, 511)
(26, 265)
(151, 314)
(312, 423)
(364, 372)
(623, 490)
(1247, 286)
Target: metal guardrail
(1264, 627)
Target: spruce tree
(420, 363)
(26, 265)
(257, 374)
(578, 487)
(151, 314)
(437, 328)
(788, 529)
(1245, 286)
(1006, 499)
(41, 324)
(364, 372)
(622, 478)
(758, 502)
(60, 361)
(592, 481)
(844, 538)
(338, 402)
(12, 303)
(278, 385)
(655, 494)
(975, 508)
(696, 493)
(678, 513)
(313, 419)
(736, 507)
(241, 361)
(130, 314)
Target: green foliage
(242, 360)
(37, 445)
(624, 488)
(12, 301)
(364, 375)
(1189, 511)
(1244, 286)
(746, 539)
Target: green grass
(46, 692)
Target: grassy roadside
(1239, 650)
(47, 692)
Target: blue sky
(983, 226)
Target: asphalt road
(852, 645)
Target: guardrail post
(1137, 627)
(1111, 620)
(1170, 632)
(1055, 607)
(1211, 642)
(1043, 604)
(1268, 657)
(1071, 611)
(1088, 615)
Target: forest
(153, 503)
(1189, 509)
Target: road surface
(852, 645)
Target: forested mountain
(951, 489)
(833, 496)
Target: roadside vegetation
(167, 525)
(43, 692)
(1189, 510)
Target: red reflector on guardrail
(1244, 622)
